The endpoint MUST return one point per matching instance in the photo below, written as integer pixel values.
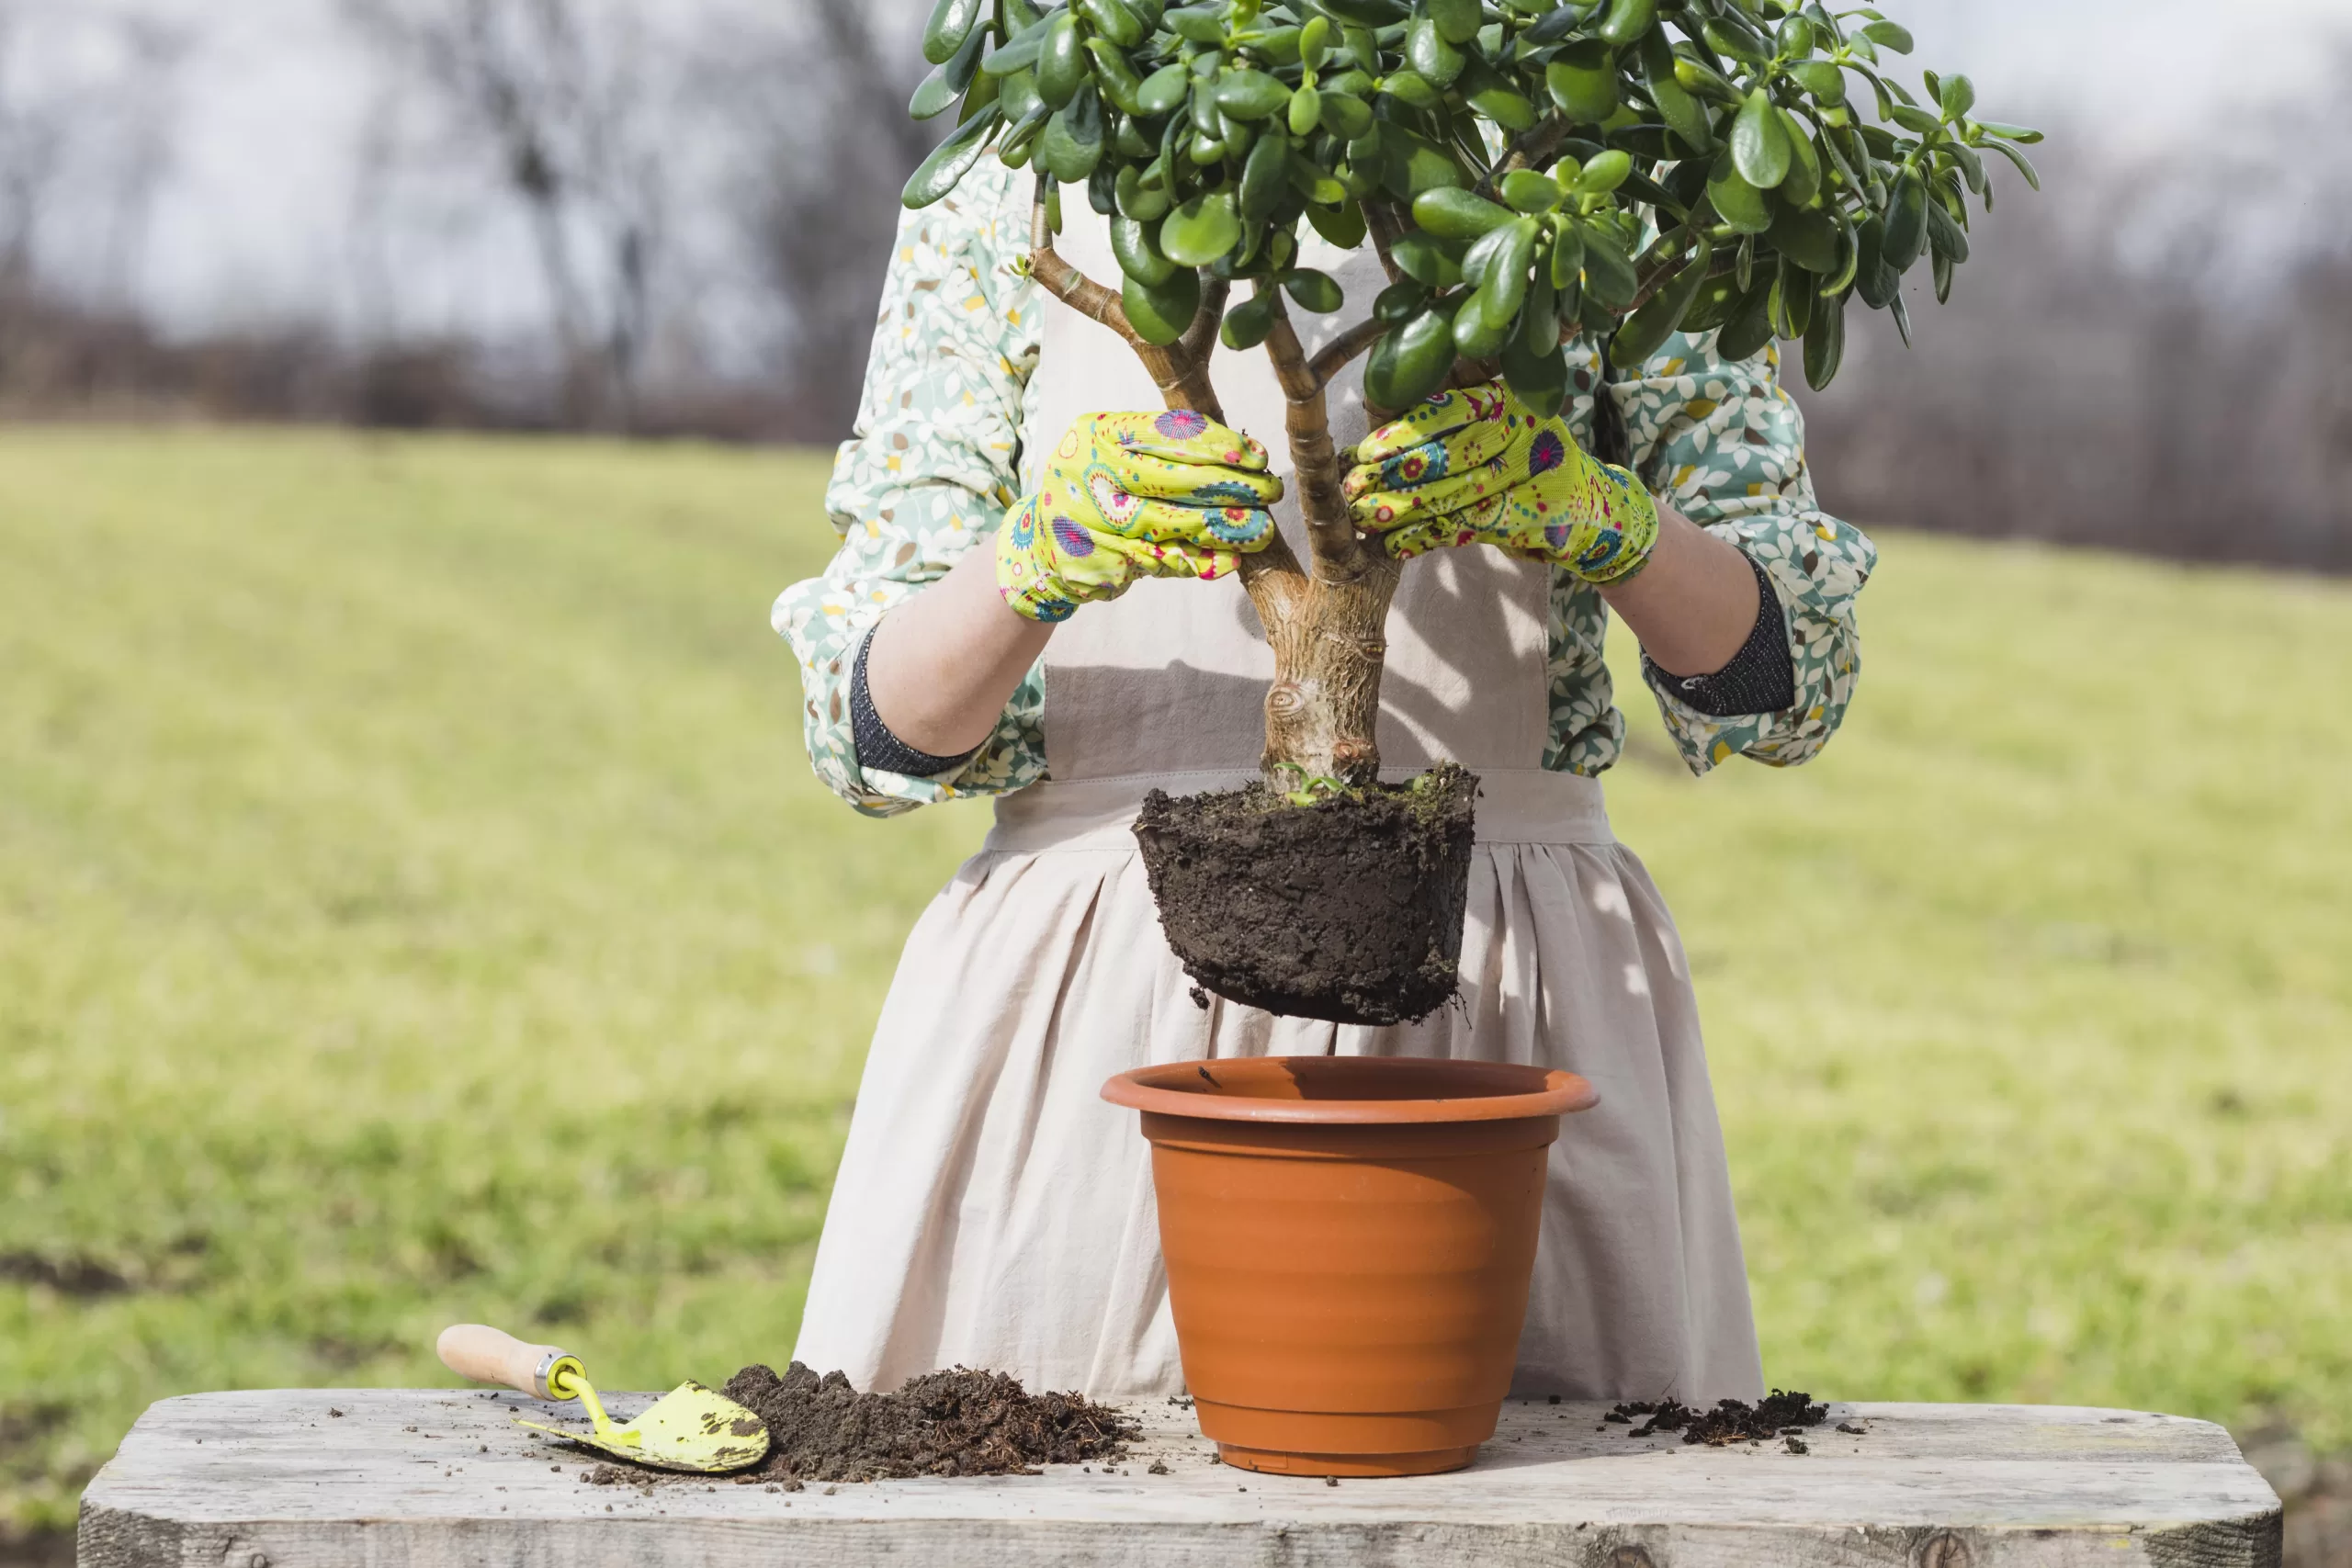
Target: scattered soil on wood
(1349, 909)
(1778, 1415)
(956, 1423)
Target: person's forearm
(1694, 604)
(942, 665)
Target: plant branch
(1181, 374)
(1528, 149)
(1200, 339)
(1080, 292)
(1334, 356)
(1385, 228)
(1332, 536)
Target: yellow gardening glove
(1479, 466)
(1129, 495)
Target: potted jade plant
(1535, 175)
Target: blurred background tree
(664, 220)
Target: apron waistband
(1516, 805)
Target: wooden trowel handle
(487, 1355)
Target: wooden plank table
(438, 1478)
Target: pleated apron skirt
(992, 1211)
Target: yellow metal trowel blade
(691, 1428)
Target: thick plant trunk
(1325, 619)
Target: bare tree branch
(1080, 292)
(1199, 341)
(1385, 228)
(1527, 150)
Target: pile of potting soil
(955, 1423)
(1777, 1415)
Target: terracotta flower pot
(1349, 1243)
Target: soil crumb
(1777, 1415)
(954, 1423)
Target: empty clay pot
(1349, 1242)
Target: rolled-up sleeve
(927, 476)
(1724, 442)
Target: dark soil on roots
(1348, 909)
(956, 1423)
(1777, 1415)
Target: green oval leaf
(1808, 239)
(1455, 214)
(1200, 24)
(1609, 275)
(1907, 221)
(1567, 256)
(1606, 171)
(1475, 333)
(1431, 54)
(1804, 163)
(1341, 223)
(1201, 231)
(1759, 142)
(949, 160)
(1164, 89)
(1945, 235)
(1823, 80)
(1627, 20)
(1314, 43)
(940, 90)
(1247, 323)
(1824, 342)
(1139, 257)
(1458, 21)
(1313, 290)
(1736, 201)
(1527, 190)
(1583, 82)
(1345, 115)
(1503, 286)
(1682, 113)
(1410, 362)
(1647, 329)
(1251, 94)
(1421, 258)
(1538, 379)
(1397, 303)
(951, 27)
(1889, 35)
(1161, 313)
(1749, 328)
(1061, 63)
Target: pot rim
(1163, 1089)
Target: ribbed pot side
(1349, 1270)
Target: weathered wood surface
(437, 1479)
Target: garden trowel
(688, 1428)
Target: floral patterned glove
(1479, 466)
(1129, 495)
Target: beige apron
(992, 1211)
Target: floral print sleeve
(1724, 443)
(927, 476)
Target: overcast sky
(255, 215)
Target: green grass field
(415, 905)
